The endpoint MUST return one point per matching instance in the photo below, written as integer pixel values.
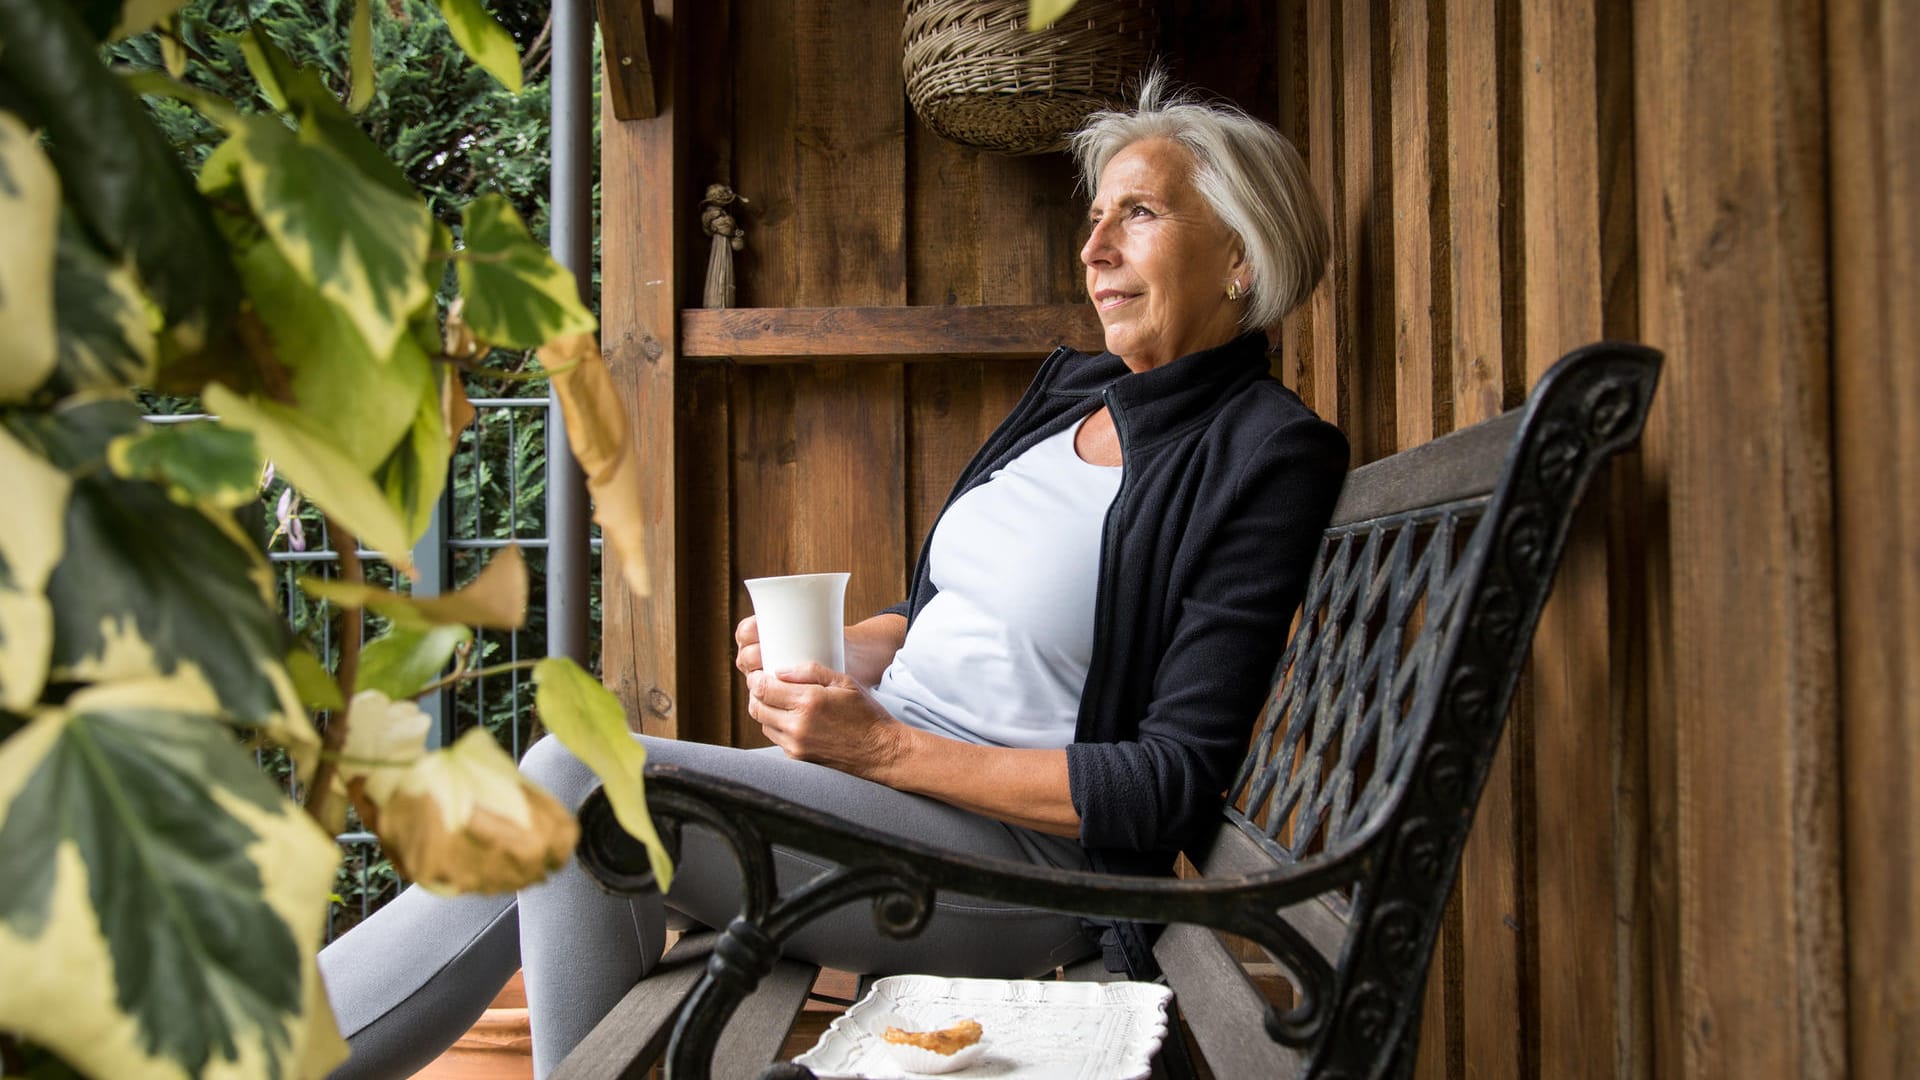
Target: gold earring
(1233, 290)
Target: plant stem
(477, 673)
(348, 634)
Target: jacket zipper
(1103, 595)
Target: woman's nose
(1098, 250)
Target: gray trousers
(412, 979)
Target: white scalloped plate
(1032, 1029)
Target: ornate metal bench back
(1393, 691)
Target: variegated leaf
(32, 537)
(514, 294)
(362, 245)
(160, 900)
(366, 403)
(198, 463)
(29, 222)
(147, 586)
(107, 325)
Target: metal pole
(569, 565)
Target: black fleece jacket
(1229, 480)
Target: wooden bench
(1342, 834)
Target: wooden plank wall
(1663, 879)
(1697, 854)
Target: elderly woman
(1089, 633)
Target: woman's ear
(1237, 265)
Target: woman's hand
(823, 716)
(746, 653)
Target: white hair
(1249, 174)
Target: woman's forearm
(871, 644)
(1020, 787)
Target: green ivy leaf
(588, 719)
(197, 463)
(148, 586)
(29, 222)
(32, 536)
(484, 39)
(311, 681)
(106, 325)
(306, 455)
(148, 866)
(517, 296)
(303, 93)
(403, 661)
(365, 403)
(361, 49)
(117, 170)
(356, 241)
(416, 473)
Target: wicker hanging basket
(978, 76)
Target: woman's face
(1159, 259)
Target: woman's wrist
(871, 645)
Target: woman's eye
(1139, 211)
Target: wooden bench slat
(1460, 465)
(634, 1033)
(759, 1027)
(1221, 1006)
(1234, 854)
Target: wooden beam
(1735, 287)
(642, 163)
(1875, 208)
(790, 335)
(625, 26)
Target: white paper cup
(802, 618)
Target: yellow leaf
(597, 430)
(484, 39)
(29, 225)
(1044, 13)
(313, 465)
(141, 15)
(464, 819)
(385, 738)
(497, 599)
(456, 409)
(361, 49)
(32, 537)
(588, 719)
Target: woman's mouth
(1108, 299)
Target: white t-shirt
(999, 656)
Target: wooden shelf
(796, 335)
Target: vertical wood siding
(1696, 855)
